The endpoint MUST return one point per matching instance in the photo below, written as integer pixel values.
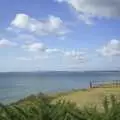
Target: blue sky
(59, 35)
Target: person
(90, 84)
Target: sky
(60, 35)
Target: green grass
(86, 104)
(89, 96)
(61, 110)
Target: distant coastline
(57, 71)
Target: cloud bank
(87, 10)
(51, 26)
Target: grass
(89, 96)
(61, 110)
(71, 105)
(82, 97)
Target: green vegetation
(87, 97)
(41, 108)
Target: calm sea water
(14, 86)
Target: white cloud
(24, 58)
(37, 57)
(21, 21)
(41, 57)
(88, 9)
(40, 47)
(26, 37)
(52, 25)
(7, 43)
(112, 48)
(76, 55)
(54, 50)
(35, 47)
(86, 19)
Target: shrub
(62, 110)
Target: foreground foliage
(44, 110)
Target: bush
(62, 110)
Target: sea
(17, 85)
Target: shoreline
(58, 94)
(55, 95)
